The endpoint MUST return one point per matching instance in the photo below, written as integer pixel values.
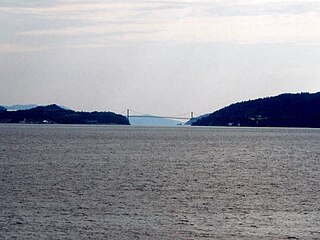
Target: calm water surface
(109, 182)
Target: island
(53, 114)
(285, 110)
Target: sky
(156, 57)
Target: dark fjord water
(108, 182)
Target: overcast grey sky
(156, 56)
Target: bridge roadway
(147, 116)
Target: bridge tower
(191, 116)
(128, 113)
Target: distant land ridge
(55, 114)
(285, 110)
(145, 120)
(20, 107)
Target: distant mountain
(193, 120)
(20, 107)
(285, 110)
(55, 114)
(152, 121)
(17, 107)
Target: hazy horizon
(157, 57)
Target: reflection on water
(113, 182)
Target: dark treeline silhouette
(285, 110)
(56, 114)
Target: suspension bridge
(182, 116)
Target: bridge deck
(170, 117)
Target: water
(109, 182)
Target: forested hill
(56, 114)
(285, 110)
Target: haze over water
(115, 182)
